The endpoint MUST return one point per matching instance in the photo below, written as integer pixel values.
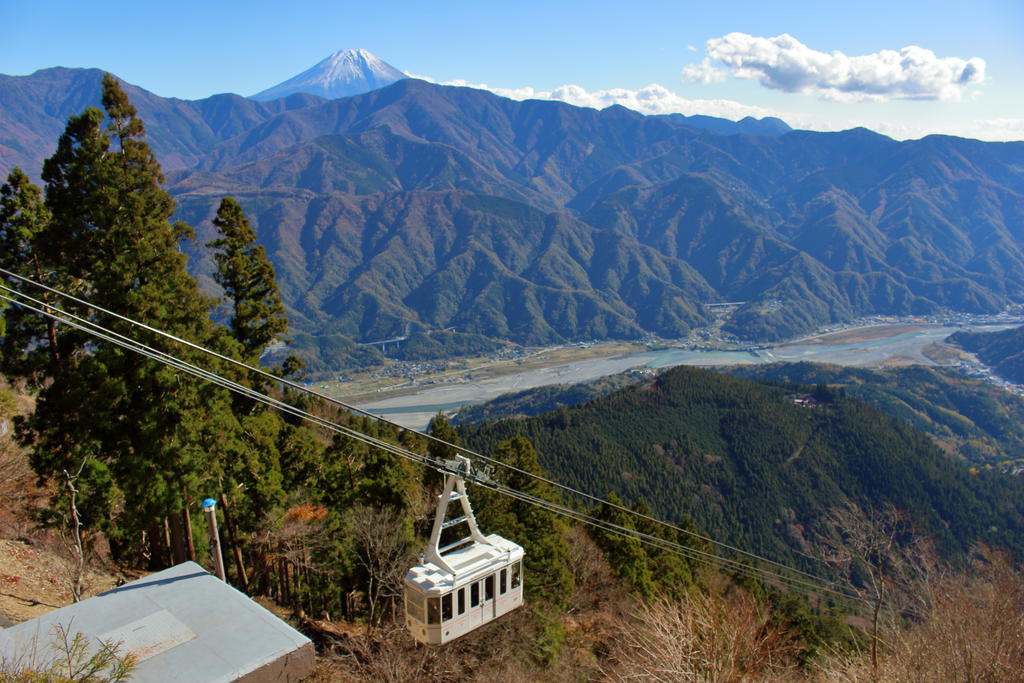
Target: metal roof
(182, 623)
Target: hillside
(746, 462)
(537, 221)
(530, 402)
(969, 419)
(1003, 351)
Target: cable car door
(488, 604)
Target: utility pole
(210, 508)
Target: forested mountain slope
(442, 206)
(968, 418)
(1003, 351)
(746, 462)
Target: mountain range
(537, 221)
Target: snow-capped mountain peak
(342, 74)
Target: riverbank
(414, 403)
(367, 387)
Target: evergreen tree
(146, 432)
(626, 554)
(29, 340)
(384, 481)
(276, 451)
(440, 428)
(257, 314)
(335, 476)
(672, 573)
(541, 533)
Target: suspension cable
(812, 583)
(355, 409)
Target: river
(901, 343)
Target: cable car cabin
(441, 606)
(465, 584)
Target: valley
(412, 401)
(424, 247)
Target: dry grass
(34, 580)
(36, 570)
(705, 637)
(17, 481)
(973, 631)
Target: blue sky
(818, 65)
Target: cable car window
(489, 587)
(503, 582)
(446, 607)
(462, 601)
(516, 577)
(474, 594)
(414, 604)
(433, 611)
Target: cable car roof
(470, 562)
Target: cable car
(465, 584)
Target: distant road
(382, 341)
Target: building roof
(182, 624)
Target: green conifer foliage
(672, 573)
(29, 341)
(541, 533)
(385, 481)
(625, 554)
(442, 429)
(149, 429)
(258, 317)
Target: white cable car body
(465, 584)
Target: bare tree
(384, 552)
(973, 630)
(596, 588)
(885, 559)
(71, 536)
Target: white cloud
(653, 99)
(657, 99)
(784, 63)
(991, 130)
(703, 73)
